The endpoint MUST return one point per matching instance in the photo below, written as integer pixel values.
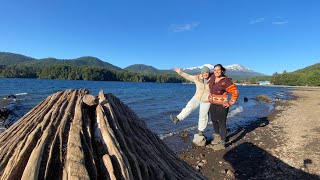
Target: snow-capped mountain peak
(233, 70)
(237, 67)
(210, 66)
(232, 67)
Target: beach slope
(283, 145)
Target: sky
(266, 36)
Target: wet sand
(284, 145)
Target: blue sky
(266, 36)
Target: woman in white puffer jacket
(200, 98)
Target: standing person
(220, 85)
(200, 99)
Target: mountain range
(235, 71)
(141, 68)
(9, 59)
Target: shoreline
(277, 146)
(273, 147)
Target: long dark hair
(222, 69)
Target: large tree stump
(70, 135)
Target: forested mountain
(10, 59)
(89, 73)
(237, 72)
(310, 69)
(91, 68)
(16, 59)
(83, 68)
(13, 59)
(141, 68)
(309, 76)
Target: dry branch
(70, 135)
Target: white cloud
(279, 22)
(183, 27)
(257, 20)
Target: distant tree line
(297, 78)
(254, 80)
(18, 71)
(307, 77)
(89, 73)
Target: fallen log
(74, 135)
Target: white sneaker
(199, 140)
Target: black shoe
(174, 119)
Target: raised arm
(185, 75)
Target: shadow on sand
(251, 162)
(242, 131)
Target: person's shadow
(251, 162)
(240, 132)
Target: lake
(152, 102)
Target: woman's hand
(226, 105)
(178, 70)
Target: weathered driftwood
(65, 138)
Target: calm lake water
(152, 102)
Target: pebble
(204, 161)
(230, 174)
(212, 168)
(198, 168)
(201, 164)
(184, 135)
(223, 171)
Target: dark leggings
(218, 115)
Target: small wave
(235, 111)
(2, 129)
(164, 136)
(20, 94)
(230, 114)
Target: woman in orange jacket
(220, 85)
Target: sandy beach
(284, 145)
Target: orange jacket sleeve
(232, 89)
